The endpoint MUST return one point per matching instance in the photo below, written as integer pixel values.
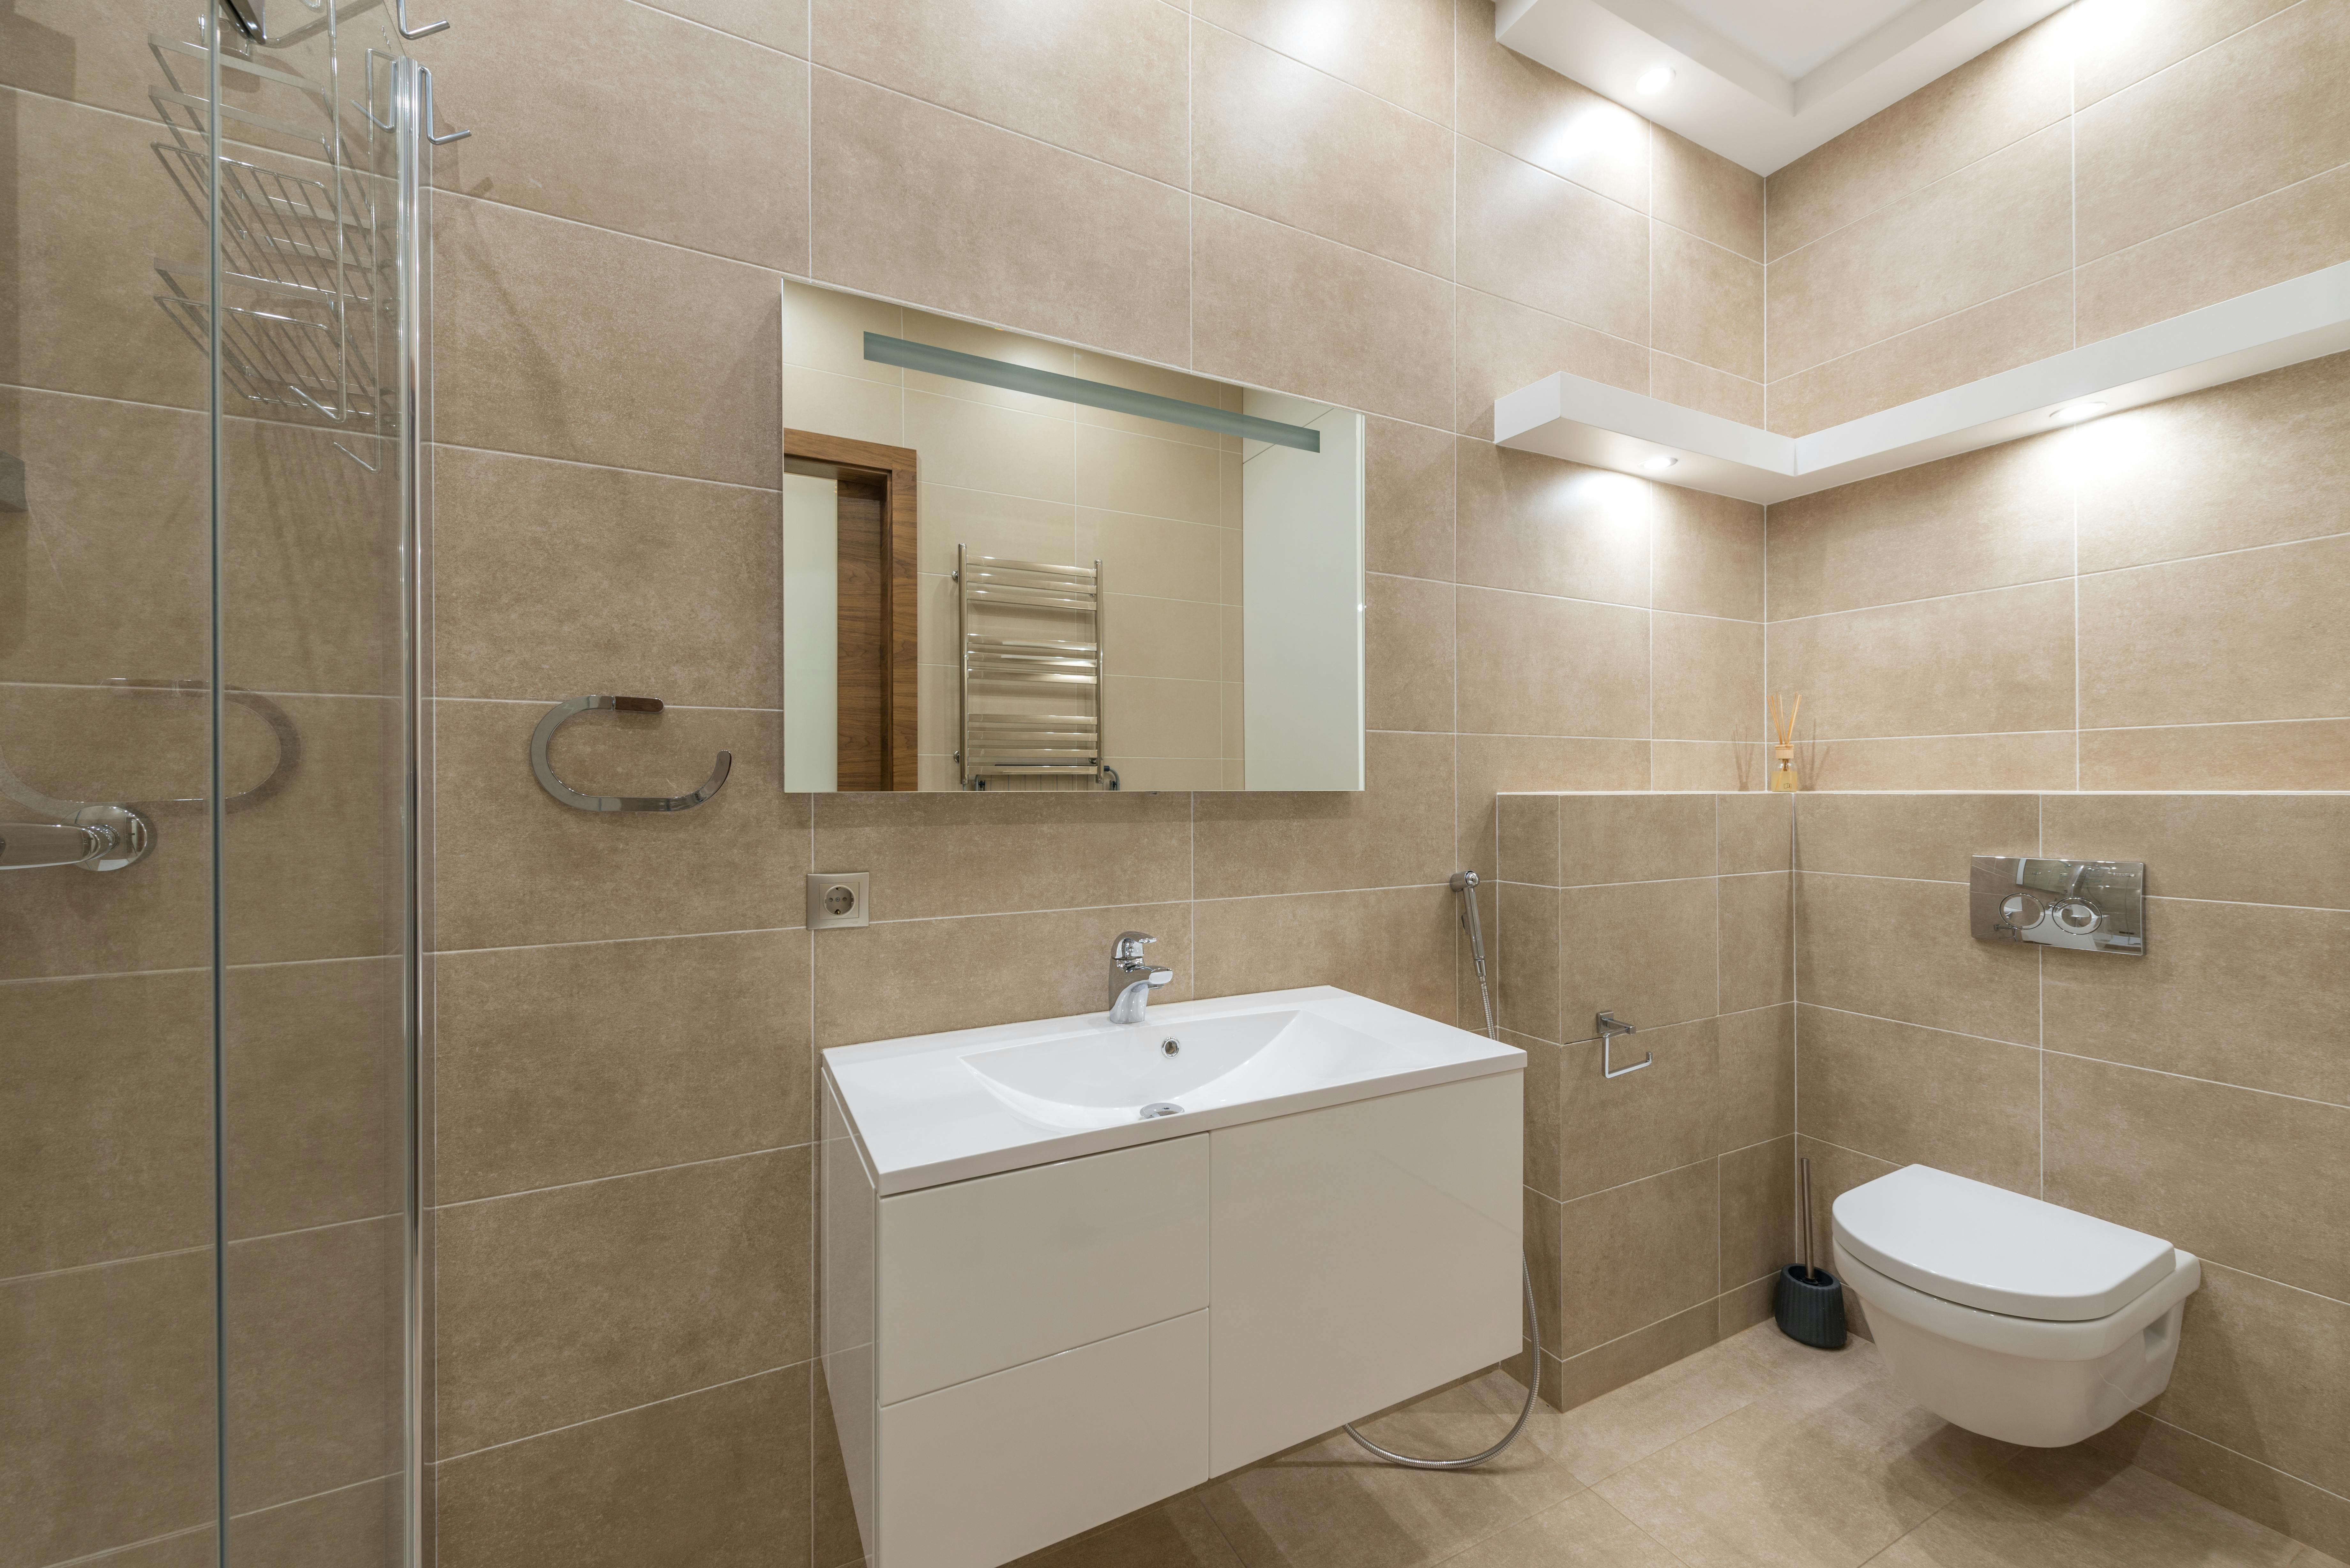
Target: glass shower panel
(202, 617)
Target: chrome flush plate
(2091, 905)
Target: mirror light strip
(1093, 394)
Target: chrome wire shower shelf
(1009, 742)
(300, 251)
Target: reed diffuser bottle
(1782, 722)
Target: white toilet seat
(2047, 1380)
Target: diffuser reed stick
(1782, 722)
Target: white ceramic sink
(947, 1107)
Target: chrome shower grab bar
(563, 712)
(1610, 1027)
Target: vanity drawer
(978, 1276)
(991, 1469)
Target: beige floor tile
(1178, 1533)
(1583, 1532)
(1829, 1487)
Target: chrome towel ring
(562, 712)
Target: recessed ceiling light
(1658, 464)
(2078, 410)
(1655, 79)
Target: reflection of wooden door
(878, 692)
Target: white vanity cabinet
(1015, 1358)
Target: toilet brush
(1811, 1300)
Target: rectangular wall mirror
(1010, 564)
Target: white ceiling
(1762, 82)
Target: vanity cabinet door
(982, 1275)
(1363, 1254)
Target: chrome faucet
(1132, 978)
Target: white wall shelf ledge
(1601, 426)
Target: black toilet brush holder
(1810, 1304)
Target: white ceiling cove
(1762, 82)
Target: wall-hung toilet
(2009, 1317)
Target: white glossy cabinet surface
(982, 1275)
(1363, 1254)
(994, 1469)
(1022, 1355)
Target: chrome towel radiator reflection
(1059, 673)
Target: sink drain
(1161, 1108)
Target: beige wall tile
(1617, 1130)
(1104, 77)
(1399, 49)
(1502, 345)
(2266, 641)
(2045, 760)
(90, 211)
(1988, 519)
(314, 1062)
(2118, 42)
(1706, 390)
(559, 1306)
(1710, 553)
(2252, 1358)
(1408, 639)
(1174, 560)
(690, 612)
(1642, 950)
(2264, 114)
(717, 1477)
(1163, 640)
(1371, 943)
(2285, 974)
(1933, 667)
(1540, 525)
(1540, 1088)
(985, 854)
(1708, 302)
(1526, 954)
(2031, 324)
(973, 446)
(2273, 849)
(1758, 936)
(1383, 344)
(1708, 766)
(557, 339)
(1041, 239)
(1408, 499)
(1946, 979)
(2309, 754)
(2252, 1181)
(1757, 831)
(1931, 837)
(1634, 838)
(1604, 1368)
(1511, 686)
(1530, 237)
(723, 171)
(1709, 677)
(1641, 1253)
(2256, 462)
(1530, 112)
(564, 1064)
(108, 1093)
(896, 978)
(2301, 229)
(1988, 230)
(1758, 1214)
(1124, 471)
(1755, 1079)
(1527, 825)
(2292, 1507)
(1921, 1096)
(1287, 142)
(1395, 832)
(107, 1437)
(1705, 194)
(1490, 763)
(312, 1356)
(522, 867)
(1990, 102)
(357, 1524)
